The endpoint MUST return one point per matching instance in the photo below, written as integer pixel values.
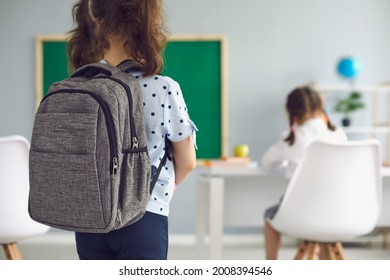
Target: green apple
(241, 150)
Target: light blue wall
(273, 46)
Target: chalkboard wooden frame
(220, 57)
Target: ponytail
(291, 137)
(83, 47)
(328, 123)
(300, 102)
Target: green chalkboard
(197, 63)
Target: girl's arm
(274, 159)
(184, 157)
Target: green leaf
(349, 104)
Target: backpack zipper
(110, 124)
(134, 138)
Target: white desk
(238, 197)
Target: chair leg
(301, 250)
(320, 251)
(314, 251)
(325, 251)
(12, 252)
(309, 250)
(384, 232)
(338, 251)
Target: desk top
(226, 171)
(253, 171)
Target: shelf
(360, 88)
(377, 101)
(367, 129)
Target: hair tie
(326, 118)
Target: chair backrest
(335, 193)
(15, 222)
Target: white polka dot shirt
(165, 114)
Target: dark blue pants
(147, 239)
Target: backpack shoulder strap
(167, 154)
(129, 66)
(93, 69)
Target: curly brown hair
(140, 22)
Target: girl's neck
(116, 53)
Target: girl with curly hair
(112, 32)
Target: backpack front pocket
(72, 182)
(65, 133)
(64, 160)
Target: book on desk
(231, 162)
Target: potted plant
(348, 105)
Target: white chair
(15, 222)
(334, 195)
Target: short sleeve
(176, 116)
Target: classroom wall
(273, 47)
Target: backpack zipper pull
(135, 143)
(115, 167)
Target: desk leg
(202, 201)
(216, 217)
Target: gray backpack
(90, 170)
